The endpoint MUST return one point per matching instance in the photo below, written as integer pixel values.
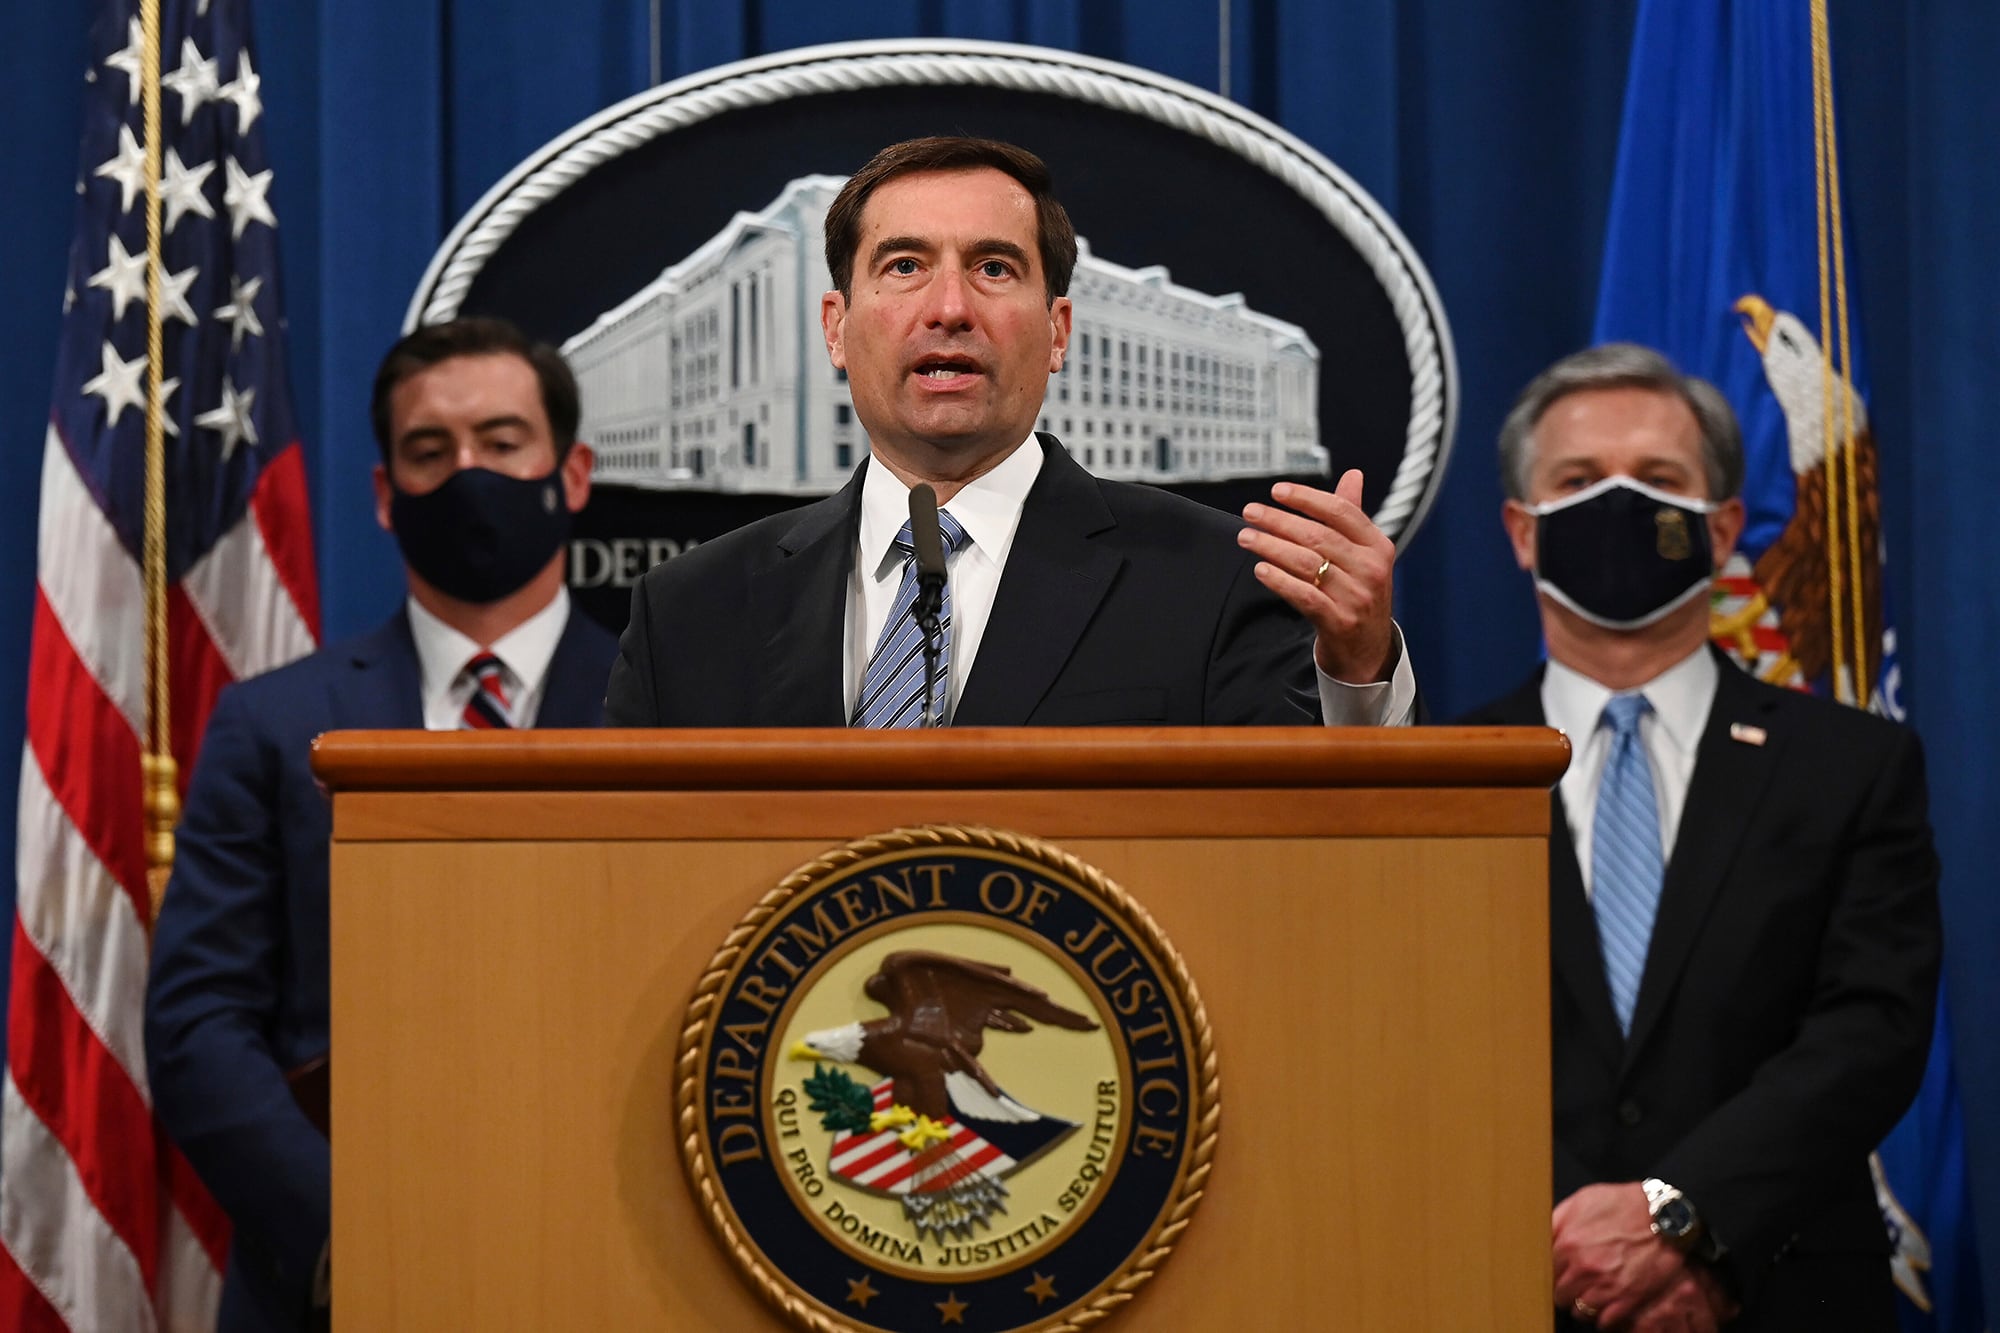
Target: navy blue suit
(238, 993)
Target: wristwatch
(1674, 1218)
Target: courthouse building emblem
(712, 376)
(947, 1077)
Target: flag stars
(124, 277)
(181, 190)
(951, 1310)
(195, 81)
(173, 295)
(243, 92)
(241, 312)
(127, 61)
(243, 195)
(118, 383)
(231, 419)
(127, 167)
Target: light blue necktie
(1625, 862)
(892, 689)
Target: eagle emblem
(937, 1131)
(947, 1073)
(1827, 613)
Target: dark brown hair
(476, 335)
(1055, 237)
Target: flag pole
(1864, 685)
(162, 799)
(1840, 675)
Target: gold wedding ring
(1320, 573)
(1584, 1310)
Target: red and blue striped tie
(488, 707)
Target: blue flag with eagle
(1726, 250)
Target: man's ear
(1725, 528)
(576, 466)
(832, 323)
(1521, 526)
(383, 494)
(1059, 326)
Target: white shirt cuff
(1386, 703)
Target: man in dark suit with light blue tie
(480, 473)
(1072, 599)
(1742, 891)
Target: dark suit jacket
(1785, 1012)
(1120, 604)
(238, 992)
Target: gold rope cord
(1863, 686)
(157, 766)
(1830, 458)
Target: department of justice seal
(947, 1077)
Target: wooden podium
(518, 921)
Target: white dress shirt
(989, 508)
(524, 652)
(1681, 697)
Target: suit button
(1629, 1114)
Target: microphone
(929, 543)
(929, 553)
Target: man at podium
(1742, 891)
(1077, 600)
(480, 473)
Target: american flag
(102, 1224)
(879, 1159)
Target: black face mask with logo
(1621, 554)
(482, 534)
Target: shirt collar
(988, 507)
(1681, 697)
(526, 650)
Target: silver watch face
(1674, 1218)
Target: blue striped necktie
(892, 690)
(1625, 862)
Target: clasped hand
(1612, 1271)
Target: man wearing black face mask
(1742, 891)
(479, 475)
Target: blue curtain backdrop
(1487, 131)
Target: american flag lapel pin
(1749, 735)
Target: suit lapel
(798, 611)
(1728, 781)
(573, 693)
(1573, 948)
(1056, 576)
(382, 685)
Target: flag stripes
(879, 1161)
(69, 1258)
(103, 1224)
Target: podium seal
(947, 1077)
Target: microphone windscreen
(924, 535)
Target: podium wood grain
(511, 981)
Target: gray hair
(1623, 366)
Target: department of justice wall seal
(947, 1077)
